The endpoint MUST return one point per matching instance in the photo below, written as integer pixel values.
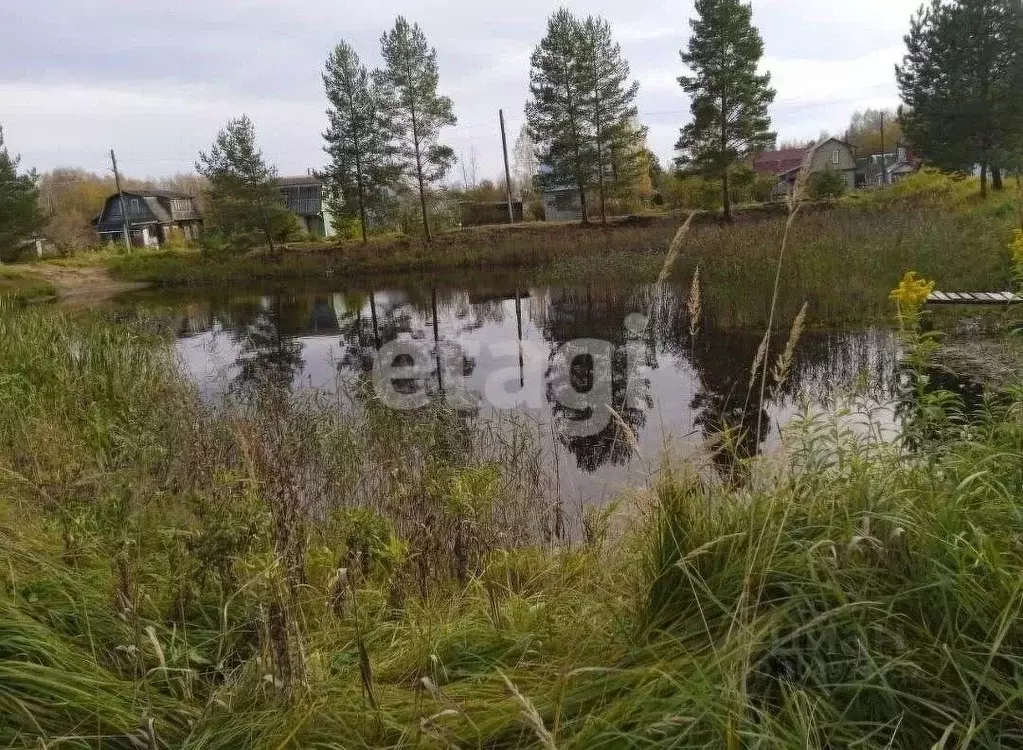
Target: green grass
(22, 286)
(163, 587)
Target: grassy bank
(177, 574)
(842, 259)
(20, 285)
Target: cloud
(156, 80)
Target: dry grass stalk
(675, 249)
(694, 304)
(758, 359)
(630, 436)
(531, 715)
(795, 203)
(783, 365)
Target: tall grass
(290, 574)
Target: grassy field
(179, 574)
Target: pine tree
(243, 196)
(960, 80)
(358, 140)
(20, 215)
(729, 98)
(408, 88)
(610, 111)
(557, 110)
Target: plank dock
(974, 298)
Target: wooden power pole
(125, 225)
(507, 172)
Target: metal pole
(507, 172)
(125, 224)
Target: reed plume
(694, 305)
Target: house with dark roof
(784, 164)
(305, 196)
(154, 217)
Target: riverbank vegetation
(283, 574)
(20, 285)
(843, 260)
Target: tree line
(961, 83)
(959, 80)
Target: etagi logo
(577, 376)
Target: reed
(287, 573)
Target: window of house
(135, 206)
(836, 156)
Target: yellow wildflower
(911, 293)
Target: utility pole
(125, 224)
(884, 164)
(507, 172)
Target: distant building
(481, 213)
(878, 170)
(562, 204)
(830, 155)
(155, 217)
(305, 197)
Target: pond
(554, 354)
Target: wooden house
(829, 155)
(305, 196)
(155, 217)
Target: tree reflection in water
(700, 384)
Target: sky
(156, 80)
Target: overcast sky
(156, 80)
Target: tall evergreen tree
(557, 110)
(408, 87)
(960, 80)
(358, 139)
(610, 111)
(729, 98)
(244, 198)
(20, 215)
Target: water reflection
(664, 384)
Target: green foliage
(826, 185)
(582, 113)
(20, 215)
(854, 593)
(962, 69)
(556, 110)
(414, 110)
(729, 97)
(359, 141)
(610, 110)
(21, 286)
(244, 200)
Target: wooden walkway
(974, 298)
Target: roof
(787, 160)
(781, 161)
(299, 180)
(157, 193)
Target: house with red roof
(784, 164)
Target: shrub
(828, 185)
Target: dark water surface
(669, 387)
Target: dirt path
(83, 286)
